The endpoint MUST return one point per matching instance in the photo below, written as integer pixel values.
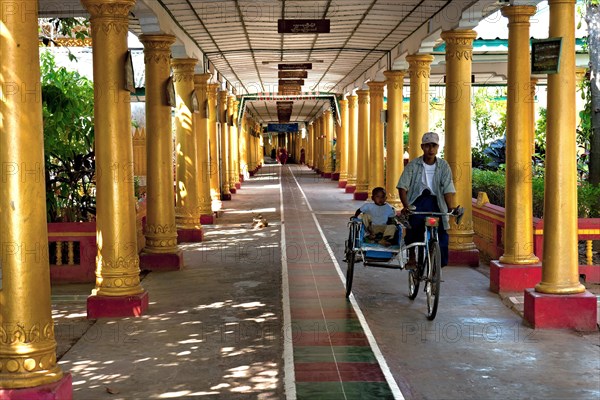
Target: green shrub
(493, 183)
(588, 200)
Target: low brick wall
(488, 224)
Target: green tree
(68, 110)
(593, 23)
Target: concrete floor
(216, 328)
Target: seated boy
(378, 218)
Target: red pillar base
(342, 184)
(238, 185)
(350, 188)
(117, 307)
(60, 390)
(207, 219)
(161, 261)
(513, 278)
(361, 195)
(189, 235)
(561, 311)
(225, 197)
(468, 257)
(241, 178)
(326, 175)
(232, 190)
(335, 176)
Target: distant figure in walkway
(283, 156)
(273, 154)
(378, 218)
(302, 156)
(426, 183)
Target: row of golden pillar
(360, 149)
(27, 342)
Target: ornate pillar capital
(518, 14)
(395, 78)
(109, 15)
(201, 80)
(352, 101)
(363, 96)
(376, 88)
(183, 69)
(459, 43)
(157, 48)
(344, 103)
(419, 65)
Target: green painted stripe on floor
(353, 390)
(342, 354)
(306, 326)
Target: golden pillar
(243, 145)
(395, 135)
(352, 142)
(532, 93)
(560, 265)
(187, 212)
(235, 145)
(518, 229)
(260, 144)
(232, 150)
(342, 143)
(201, 127)
(376, 177)
(117, 261)
(318, 143)
(362, 150)
(160, 231)
(215, 182)
(309, 147)
(328, 143)
(224, 146)
(418, 70)
(459, 51)
(27, 342)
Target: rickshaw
(428, 269)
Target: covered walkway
(241, 321)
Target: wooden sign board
(298, 82)
(287, 67)
(292, 74)
(303, 26)
(545, 55)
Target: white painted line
(363, 322)
(289, 379)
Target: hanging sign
(292, 74)
(129, 75)
(282, 128)
(303, 26)
(287, 67)
(171, 92)
(545, 55)
(298, 82)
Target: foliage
(588, 200)
(493, 183)
(50, 28)
(68, 109)
(489, 116)
(496, 154)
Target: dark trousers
(427, 202)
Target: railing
(72, 248)
(72, 251)
(488, 224)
